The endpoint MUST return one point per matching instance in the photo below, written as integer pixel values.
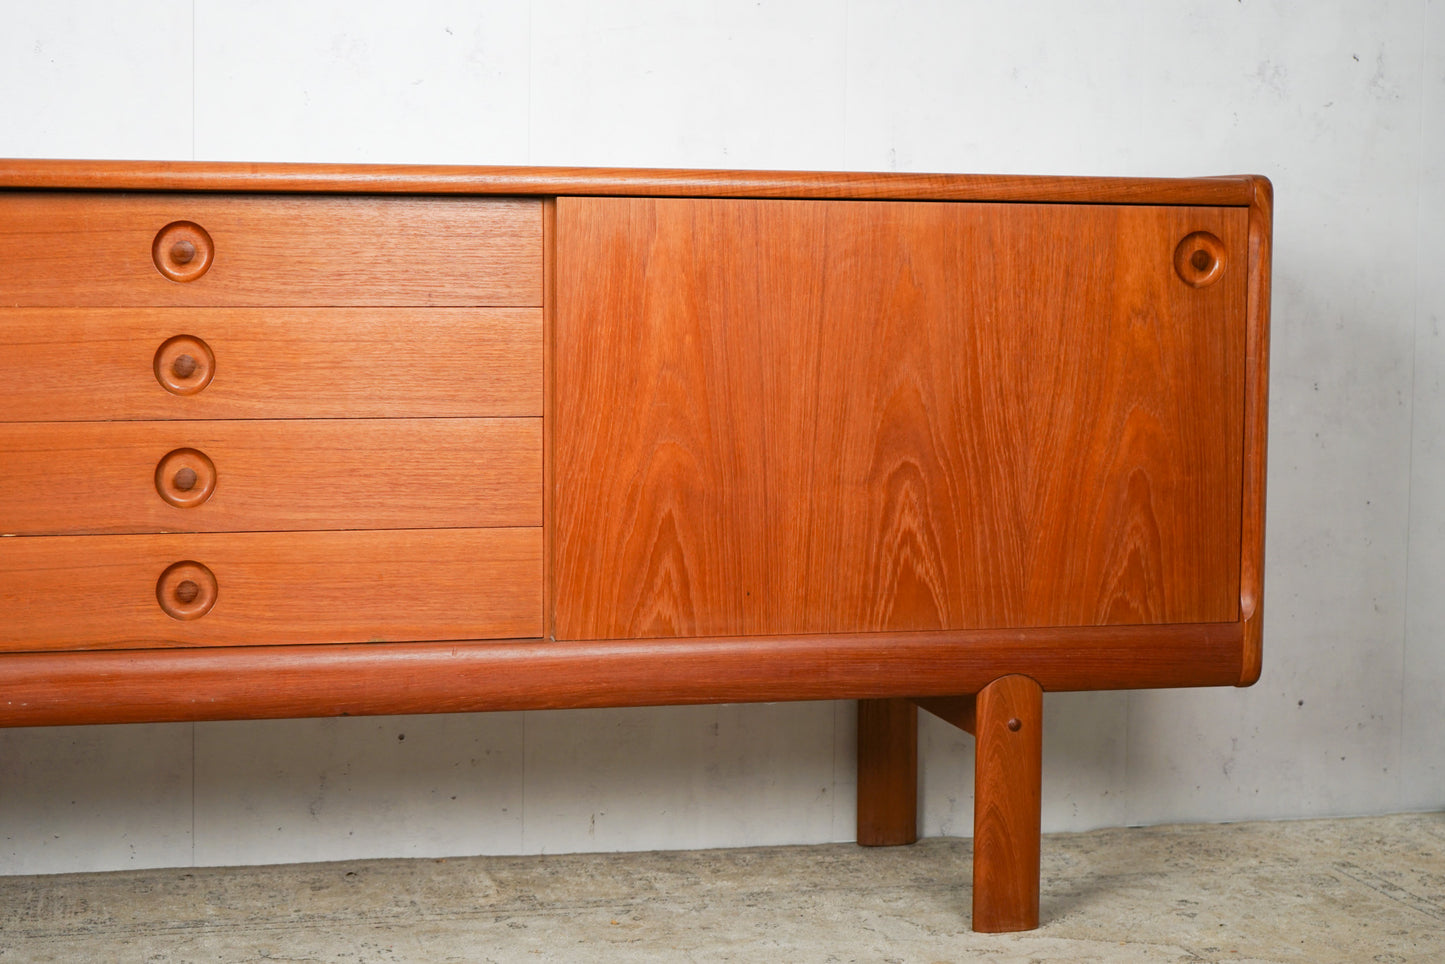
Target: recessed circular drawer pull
(1199, 259)
(186, 590)
(185, 478)
(182, 251)
(184, 365)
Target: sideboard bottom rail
(271, 682)
(988, 682)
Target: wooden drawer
(96, 363)
(76, 478)
(199, 249)
(105, 592)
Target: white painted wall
(1341, 103)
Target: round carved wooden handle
(182, 251)
(186, 590)
(185, 478)
(1199, 259)
(184, 365)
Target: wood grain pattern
(99, 592)
(1256, 427)
(887, 772)
(85, 477)
(1008, 767)
(96, 363)
(814, 417)
(990, 435)
(95, 250)
(467, 676)
(638, 182)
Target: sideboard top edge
(233, 176)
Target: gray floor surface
(1358, 890)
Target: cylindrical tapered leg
(887, 772)
(1007, 775)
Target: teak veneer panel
(99, 592)
(823, 417)
(77, 478)
(65, 364)
(96, 250)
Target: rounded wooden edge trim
(25, 173)
(1256, 427)
(480, 675)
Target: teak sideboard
(303, 440)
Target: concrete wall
(1341, 103)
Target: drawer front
(59, 478)
(153, 363)
(177, 249)
(107, 592)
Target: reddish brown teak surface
(302, 440)
(813, 417)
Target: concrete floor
(1360, 890)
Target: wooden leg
(1007, 774)
(887, 772)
